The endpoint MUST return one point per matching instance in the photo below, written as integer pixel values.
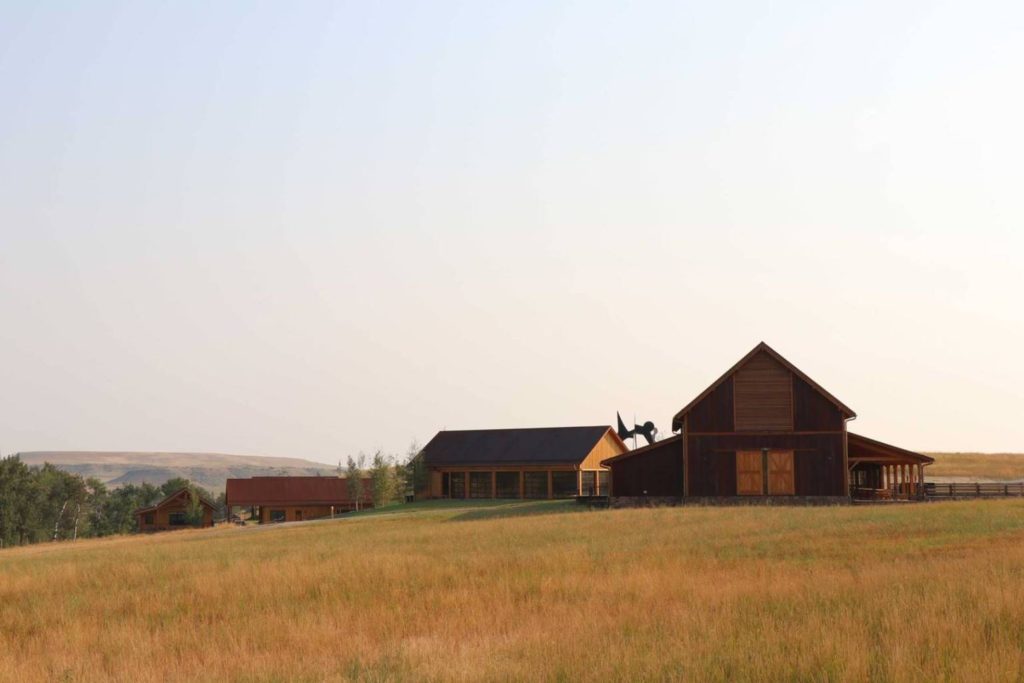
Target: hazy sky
(308, 229)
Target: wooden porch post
(551, 491)
(522, 484)
(494, 484)
(465, 485)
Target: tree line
(45, 503)
(392, 479)
(48, 504)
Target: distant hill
(209, 470)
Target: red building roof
(292, 491)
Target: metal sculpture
(647, 430)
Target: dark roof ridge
(762, 346)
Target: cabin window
(176, 519)
(588, 481)
(602, 483)
(277, 516)
(507, 484)
(148, 518)
(458, 484)
(479, 484)
(563, 484)
(535, 484)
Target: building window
(535, 484)
(458, 484)
(176, 519)
(563, 484)
(507, 484)
(148, 518)
(479, 484)
(277, 516)
(602, 483)
(589, 483)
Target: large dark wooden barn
(765, 429)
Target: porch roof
(863, 449)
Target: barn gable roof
(171, 497)
(643, 449)
(677, 421)
(541, 445)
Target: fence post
(977, 490)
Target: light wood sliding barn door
(780, 473)
(749, 475)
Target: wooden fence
(992, 490)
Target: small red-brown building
(294, 499)
(764, 429)
(173, 512)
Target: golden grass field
(996, 466)
(533, 591)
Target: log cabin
(545, 462)
(294, 499)
(764, 431)
(173, 513)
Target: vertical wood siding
(817, 462)
(714, 412)
(658, 471)
(812, 412)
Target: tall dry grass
(995, 466)
(450, 593)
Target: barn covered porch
(880, 471)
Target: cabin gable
(609, 446)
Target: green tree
(354, 478)
(415, 474)
(382, 479)
(62, 496)
(19, 502)
(194, 507)
(175, 484)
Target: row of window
(534, 484)
(173, 519)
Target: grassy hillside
(996, 466)
(209, 470)
(489, 592)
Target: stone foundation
(672, 501)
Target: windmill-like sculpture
(647, 430)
